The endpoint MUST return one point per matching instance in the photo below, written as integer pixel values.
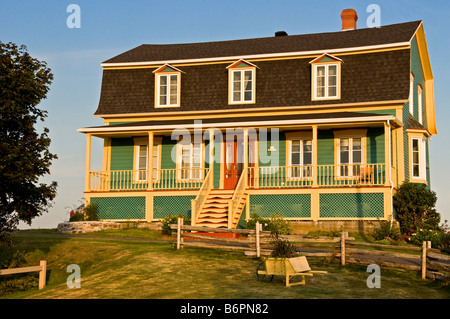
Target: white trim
(326, 65)
(234, 124)
(168, 85)
(420, 103)
(256, 56)
(328, 55)
(242, 85)
(421, 144)
(169, 66)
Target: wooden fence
(430, 262)
(42, 268)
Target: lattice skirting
(359, 205)
(120, 207)
(171, 205)
(287, 205)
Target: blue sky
(110, 27)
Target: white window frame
(158, 89)
(326, 84)
(190, 147)
(241, 100)
(411, 94)
(419, 103)
(137, 148)
(306, 171)
(421, 143)
(351, 164)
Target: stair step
(213, 214)
(216, 205)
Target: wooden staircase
(215, 210)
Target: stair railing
(238, 194)
(199, 201)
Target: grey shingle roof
(394, 33)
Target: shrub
(283, 248)
(172, 219)
(91, 212)
(277, 225)
(386, 231)
(414, 204)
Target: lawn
(122, 268)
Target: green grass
(120, 268)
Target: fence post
(42, 274)
(258, 248)
(178, 233)
(343, 248)
(181, 233)
(424, 260)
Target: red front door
(232, 164)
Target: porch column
(150, 161)
(387, 154)
(314, 155)
(315, 201)
(211, 155)
(88, 163)
(245, 149)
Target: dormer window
(242, 83)
(326, 78)
(167, 86)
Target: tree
(415, 204)
(24, 153)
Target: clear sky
(111, 27)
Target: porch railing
(350, 175)
(235, 207)
(132, 180)
(201, 198)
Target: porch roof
(251, 121)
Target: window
(190, 161)
(326, 81)
(326, 78)
(167, 86)
(418, 158)
(300, 158)
(167, 90)
(419, 104)
(411, 94)
(141, 159)
(350, 156)
(242, 85)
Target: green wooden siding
(122, 150)
(325, 147)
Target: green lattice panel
(171, 205)
(120, 207)
(352, 205)
(288, 205)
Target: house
(316, 127)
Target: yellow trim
(428, 75)
(316, 109)
(400, 150)
(88, 162)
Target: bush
(283, 248)
(91, 212)
(386, 232)
(171, 219)
(277, 225)
(86, 213)
(414, 204)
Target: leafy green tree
(24, 153)
(415, 204)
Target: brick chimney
(349, 18)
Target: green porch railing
(349, 175)
(135, 180)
